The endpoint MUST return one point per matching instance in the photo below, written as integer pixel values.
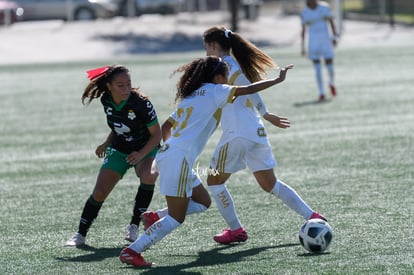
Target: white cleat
(131, 233)
(76, 240)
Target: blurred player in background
(316, 18)
(201, 92)
(133, 142)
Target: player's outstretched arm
(263, 84)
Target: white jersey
(316, 20)
(196, 119)
(240, 119)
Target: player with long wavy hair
(201, 92)
(244, 142)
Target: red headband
(94, 73)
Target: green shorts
(116, 160)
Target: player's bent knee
(149, 178)
(267, 188)
(207, 203)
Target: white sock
(331, 74)
(154, 234)
(319, 80)
(291, 199)
(195, 207)
(225, 205)
(162, 212)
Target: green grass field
(350, 158)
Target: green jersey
(129, 121)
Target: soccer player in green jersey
(132, 142)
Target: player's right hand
(100, 151)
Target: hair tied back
(227, 33)
(94, 73)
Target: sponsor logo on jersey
(261, 132)
(151, 111)
(152, 114)
(123, 130)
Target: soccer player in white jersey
(201, 91)
(316, 17)
(244, 142)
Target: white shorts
(177, 177)
(320, 48)
(240, 153)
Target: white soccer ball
(315, 235)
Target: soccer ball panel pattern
(315, 235)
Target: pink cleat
(321, 98)
(149, 218)
(333, 90)
(130, 257)
(228, 236)
(316, 215)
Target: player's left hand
(281, 122)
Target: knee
(100, 192)
(267, 187)
(266, 179)
(215, 179)
(99, 195)
(207, 202)
(276, 188)
(149, 178)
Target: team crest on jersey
(261, 132)
(131, 114)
